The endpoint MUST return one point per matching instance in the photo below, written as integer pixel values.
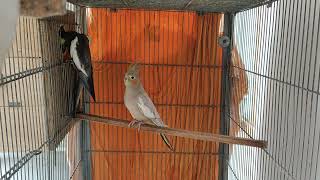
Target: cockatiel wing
(84, 50)
(80, 52)
(147, 108)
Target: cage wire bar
(276, 72)
(225, 97)
(35, 89)
(85, 126)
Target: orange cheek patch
(134, 82)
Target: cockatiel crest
(134, 68)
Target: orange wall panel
(181, 71)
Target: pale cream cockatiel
(139, 103)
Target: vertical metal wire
(284, 96)
(287, 65)
(172, 70)
(269, 90)
(20, 83)
(119, 56)
(307, 64)
(213, 55)
(11, 99)
(312, 95)
(135, 57)
(38, 99)
(278, 73)
(13, 123)
(292, 75)
(317, 101)
(27, 65)
(167, 72)
(161, 35)
(151, 69)
(259, 54)
(183, 75)
(108, 45)
(99, 25)
(177, 145)
(300, 81)
(99, 87)
(132, 56)
(35, 97)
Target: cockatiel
(78, 46)
(139, 103)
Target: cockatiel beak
(125, 80)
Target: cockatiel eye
(132, 77)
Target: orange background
(181, 71)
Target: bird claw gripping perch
(138, 122)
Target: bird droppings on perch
(178, 132)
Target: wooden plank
(42, 8)
(178, 132)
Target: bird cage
(236, 83)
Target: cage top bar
(185, 5)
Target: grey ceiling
(189, 5)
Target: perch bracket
(224, 41)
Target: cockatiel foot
(133, 122)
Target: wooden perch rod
(178, 132)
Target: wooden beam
(42, 8)
(178, 132)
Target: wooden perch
(179, 132)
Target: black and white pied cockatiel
(78, 46)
